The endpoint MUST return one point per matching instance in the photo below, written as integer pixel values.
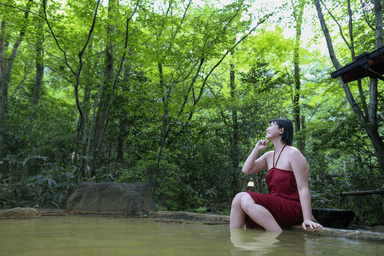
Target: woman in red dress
(288, 202)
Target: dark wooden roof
(366, 64)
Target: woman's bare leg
(237, 218)
(259, 214)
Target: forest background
(177, 93)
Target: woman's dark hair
(287, 136)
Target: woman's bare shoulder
(268, 154)
(294, 152)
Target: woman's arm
(300, 169)
(254, 164)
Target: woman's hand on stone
(312, 225)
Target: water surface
(77, 235)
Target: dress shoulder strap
(277, 157)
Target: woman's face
(273, 130)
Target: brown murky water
(78, 235)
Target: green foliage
(200, 209)
(49, 189)
(175, 115)
(341, 160)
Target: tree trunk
(123, 120)
(102, 108)
(123, 125)
(234, 149)
(39, 65)
(378, 145)
(164, 131)
(3, 88)
(5, 72)
(106, 92)
(39, 76)
(298, 15)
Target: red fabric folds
(283, 200)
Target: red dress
(283, 200)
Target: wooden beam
(361, 193)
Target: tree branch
(327, 35)
(55, 38)
(366, 15)
(338, 24)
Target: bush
(49, 189)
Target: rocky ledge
(187, 217)
(20, 213)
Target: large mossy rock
(131, 198)
(20, 213)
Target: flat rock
(378, 229)
(20, 213)
(188, 217)
(131, 198)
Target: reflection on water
(258, 242)
(262, 243)
(129, 236)
(255, 242)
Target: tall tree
(6, 67)
(183, 74)
(107, 81)
(112, 72)
(298, 10)
(234, 148)
(76, 70)
(75, 76)
(367, 114)
(39, 60)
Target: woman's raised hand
(262, 144)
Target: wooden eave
(366, 64)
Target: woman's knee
(236, 202)
(246, 201)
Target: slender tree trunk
(102, 108)
(234, 148)
(90, 147)
(39, 64)
(5, 72)
(123, 121)
(88, 85)
(3, 88)
(123, 125)
(298, 15)
(164, 132)
(106, 92)
(86, 133)
(39, 76)
(89, 71)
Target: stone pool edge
(212, 219)
(209, 219)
